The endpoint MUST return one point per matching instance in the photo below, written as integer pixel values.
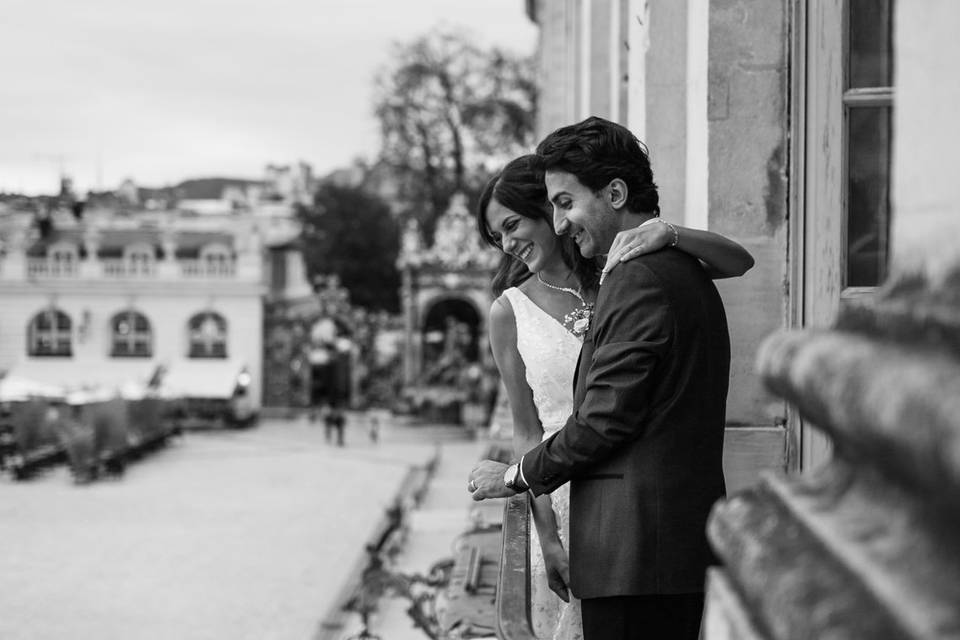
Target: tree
(451, 113)
(351, 233)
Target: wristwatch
(512, 479)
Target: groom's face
(584, 215)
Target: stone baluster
(867, 546)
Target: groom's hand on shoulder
(486, 481)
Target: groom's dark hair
(596, 151)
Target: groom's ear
(617, 193)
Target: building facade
(103, 300)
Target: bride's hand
(631, 243)
(558, 569)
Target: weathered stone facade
(866, 546)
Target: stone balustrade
(119, 268)
(867, 546)
(45, 268)
(200, 268)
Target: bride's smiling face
(531, 240)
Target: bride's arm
(720, 256)
(527, 433)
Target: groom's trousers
(653, 617)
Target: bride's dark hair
(519, 187)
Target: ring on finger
(472, 486)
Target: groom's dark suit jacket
(643, 448)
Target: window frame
(202, 346)
(56, 335)
(820, 181)
(135, 336)
(63, 259)
(826, 158)
(216, 259)
(139, 259)
(852, 98)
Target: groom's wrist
(513, 478)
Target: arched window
(131, 335)
(50, 334)
(208, 336)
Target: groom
(642, 450)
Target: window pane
(871, 43)
(868, 195)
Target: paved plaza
(222, 535)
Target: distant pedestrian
(326, 415)
(334, 420)
(373, 426)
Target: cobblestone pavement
(224, 535)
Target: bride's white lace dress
(549, 353)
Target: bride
(536, 329)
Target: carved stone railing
(867, 546)
(46, 268)
(121, 268)
(113, 268)
(199, 268)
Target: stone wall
(748, 131)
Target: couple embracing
(618, 392)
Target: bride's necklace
(578, 320)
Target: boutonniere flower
(579, 320)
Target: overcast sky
(165, 90)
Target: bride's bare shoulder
(501, 309)
(503, 326)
